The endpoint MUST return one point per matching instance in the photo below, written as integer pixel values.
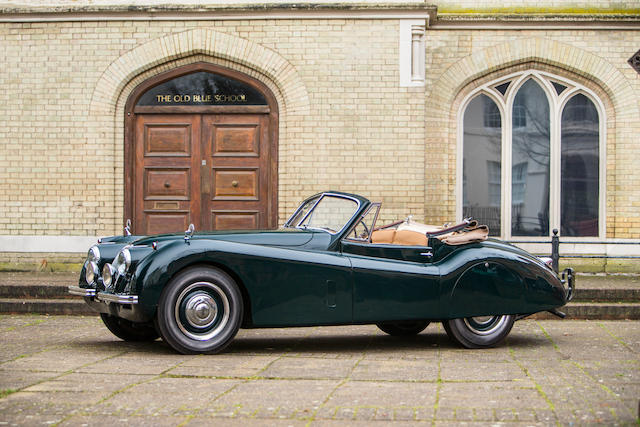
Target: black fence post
(555, 250)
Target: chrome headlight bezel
(91, 272)
(122, 262)
(93, 255)
(108, 273)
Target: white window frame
(556, 106)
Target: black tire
(481, 331)
(128, 330)
(200, 311)
(403, 329)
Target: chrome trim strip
(117, 298)
(83, 292)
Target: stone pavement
(70, 371)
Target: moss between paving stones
(6, 392)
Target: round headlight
(94, 254)
(122, 262)
(91, 272)
(107, 274)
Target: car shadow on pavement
(326, 343)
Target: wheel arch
(485, 284)
(246, 299)
(158, 272)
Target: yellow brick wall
(354, 130)
(345, 123)
(458, 62)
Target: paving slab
(71, 371)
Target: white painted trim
(56, 244)
(407, 54)
(211, 16)
(606, 248)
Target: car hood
(281, 237)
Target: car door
(392, 282)
(294, 287)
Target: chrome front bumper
(103, 296)
(83, 292)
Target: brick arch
(535, 50)
(106, 112)
(462, 77)
(172, 47)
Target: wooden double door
(212, 170)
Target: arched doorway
(201, 148)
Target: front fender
(154, 272)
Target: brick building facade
(368, 97)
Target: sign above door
(201, 88)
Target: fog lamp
(91, 272)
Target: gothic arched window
(533, 157)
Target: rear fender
(487, 281)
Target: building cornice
(443, 18)
(608, 23)
(217, 12)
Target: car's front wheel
(403, 329)
(200, 311)
(129, 331)
(480, 331)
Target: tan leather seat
(399, 237)
(383, 236)
(409, 238)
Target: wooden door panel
(167, 184)
(235, 184)
(236, 140)
(232, 220)
(167, 139)
(166, 222)
(167, 173)
(237, 151)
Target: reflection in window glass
(530, 157)
(331, 214)
(481, 162)
(302, 212)
(580, 166)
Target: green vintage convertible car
(328, 265)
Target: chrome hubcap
(485, 325)
(202, 311)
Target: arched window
(533, 157)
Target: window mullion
(555, 166)
(506, 172)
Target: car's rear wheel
(129, 331)
(403, 329)
(480, 331)
(200, 311)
